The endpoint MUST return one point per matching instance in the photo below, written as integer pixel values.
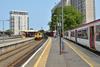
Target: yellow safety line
(82, 55)
(41, 62)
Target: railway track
(9, 40)
(5, 50)
(16, 57)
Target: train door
(92, 42)
(76, 36)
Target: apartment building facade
(86, 7)
(19, 21)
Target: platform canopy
(29, 31)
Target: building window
(12, 23)
(19, 24)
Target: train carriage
(87, 35)
(38, 36)
(83, 36)
(97, 36)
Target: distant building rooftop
(19, 12)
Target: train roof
(92, 22)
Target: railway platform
(14, 41)
(46, 53)
(71, 56)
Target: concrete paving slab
(68, 58)
(55, 59)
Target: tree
(31, 28)
(9, 32)
(51, 25)
(72, 17)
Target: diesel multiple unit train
(87, 35)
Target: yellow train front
(38, 36)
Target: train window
(72, 34)
(67, 34)
(79, 34)
(98, 33)
(85, 33)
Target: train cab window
(98, 33)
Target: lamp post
(60, 37)
(62, 27)
(3, 27)
(62, 24)
(59, 25)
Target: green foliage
(52, 26)
(9, 32)
(31, 28)
(72, 18)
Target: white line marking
(34, 54)
(36, 65)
